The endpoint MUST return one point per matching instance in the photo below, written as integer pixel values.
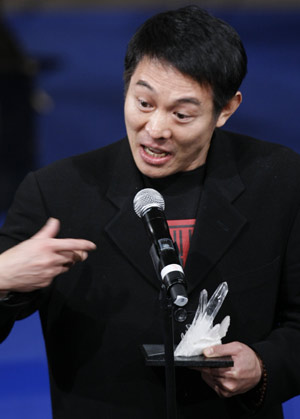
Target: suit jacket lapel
(218, 221)
(125, 228)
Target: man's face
(169, 119)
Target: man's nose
(158, 126)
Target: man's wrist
(254, 398)
(5, 295)
(261, 388)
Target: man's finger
(74, 256)
(222, 350)
(49, 230)
(73, 245)
(80, 255)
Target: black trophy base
(155, 356)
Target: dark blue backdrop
(83, 98)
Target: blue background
(83, 109)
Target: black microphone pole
(149, 205)
(167, 307)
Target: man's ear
(229, 109)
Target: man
(239, 196)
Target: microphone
(149, 205)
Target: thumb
(49, 230)
(232, 348)
(213, 351)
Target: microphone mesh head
(147, 198)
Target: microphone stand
(167, 317)
(166, 359)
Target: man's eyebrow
(192, 100)
(145, 84)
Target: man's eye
(181, 116)
(144, 104)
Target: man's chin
(155, 172)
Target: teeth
(154, 153)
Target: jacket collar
(218, 221)
(125, 228)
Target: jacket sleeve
(280, 351)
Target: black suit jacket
(96, 316)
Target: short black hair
(197, 44)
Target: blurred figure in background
(17, 119)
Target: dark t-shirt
(181, 193)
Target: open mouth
(155, 153)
